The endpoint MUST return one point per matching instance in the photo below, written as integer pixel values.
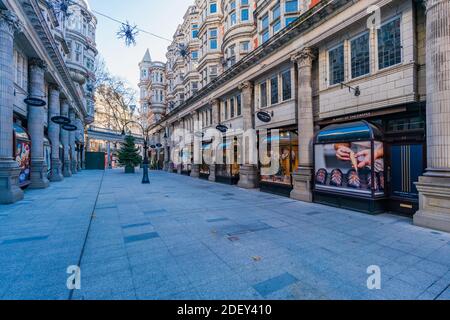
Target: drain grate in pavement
(22, 240)
(313, 213)
(155, 212)
(136, 225)
(106, 207)
(217, 220)
(228, 194)
(141, 237)
(275, 284)
(72, 198)
(243, 229)
(233, 239)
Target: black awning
(348, 132)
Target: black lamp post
(145, 178)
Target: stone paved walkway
(184, 238)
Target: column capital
(304, 57)
(9, 22)
(214, 102)
(429, 4)
(37, 63)
(245, 85)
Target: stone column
(434, 186)
(215, 109)
(67, 171)
(195, 172)
(73, 146)
(9, 169)
(303, 176)
(36, 119)
(249, 173)
(54, 109)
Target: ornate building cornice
(9, 22)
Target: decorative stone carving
(304, 57)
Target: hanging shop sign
(264, 117)
(159, 145)
(222, 128)
(61, 120)
(69, 127)
(35, 102)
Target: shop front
(276, 175)
(228, 171)
(372, 165)
(48, 155)
(186, 160)
(160, 162)
(206, 157)
(22, 152)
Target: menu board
(351, 167)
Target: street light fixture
(145, 164)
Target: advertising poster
(23, 158)
(348, 167)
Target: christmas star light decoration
(129, 33)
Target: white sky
(157, 16)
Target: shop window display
(186, 158)
(286, 155)
(230, 167)
(48, 155)
(22, 152)
(206, 156)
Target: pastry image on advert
(353, 179)
(337, 178)
(321, 176)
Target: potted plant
(128, 155)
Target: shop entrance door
(407, 164)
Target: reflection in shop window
(274, 90)
(263, 97)
(291, 6)
(389, 44)
(285, 155)
(360, 56)
(336, 62)
(287, 86)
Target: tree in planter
(128, 155)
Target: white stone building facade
(47, 64)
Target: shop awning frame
(349, 132)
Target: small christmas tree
(128, 155)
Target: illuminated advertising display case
(22, 154)
(350, 164)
